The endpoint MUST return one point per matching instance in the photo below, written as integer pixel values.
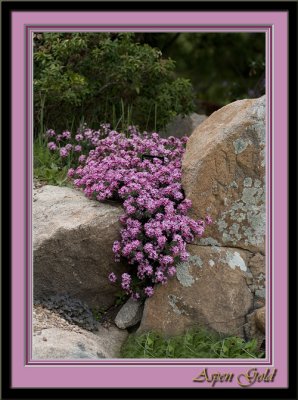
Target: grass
(193, 344)
(47, 166)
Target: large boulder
(211, 290)
(72, 246)
(55, 339)
(224, 174)
(222, 285)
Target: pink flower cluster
(144, 171)
(75, 148)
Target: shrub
(144, 172)
(108, 75)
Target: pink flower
(66, 135)
(52, 146)
(149, 291)
(139, 256)
(130, 210)
(208, 220)
(50, 133)
(112, 277)
(78, 148)
(148, 270)
(82, 158)
(172, 271)
(159, 276)
(167, 260)
(88, 133)
(116, 246)
(135, 296)
(63, 152)
(126, 281)
(70, 172)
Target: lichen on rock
(183, 274)
(224, 172)
(235, 260)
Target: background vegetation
(143, 79)
(222, 67)
(103, 77)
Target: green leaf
(54, 166)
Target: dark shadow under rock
(72, 310)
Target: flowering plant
(73, 150)
(144, 171)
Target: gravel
(72, 310)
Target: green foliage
(223, 67)
(47, 166)
(121, 298)
(193, 344)
(98, 313)
(104, 77)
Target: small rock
(129, 315)
(252, 330)
(261, 319)
(183, 126)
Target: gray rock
(72, 246)
(57, 343)
(129, 315)
(55, 338)
(183, 126)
